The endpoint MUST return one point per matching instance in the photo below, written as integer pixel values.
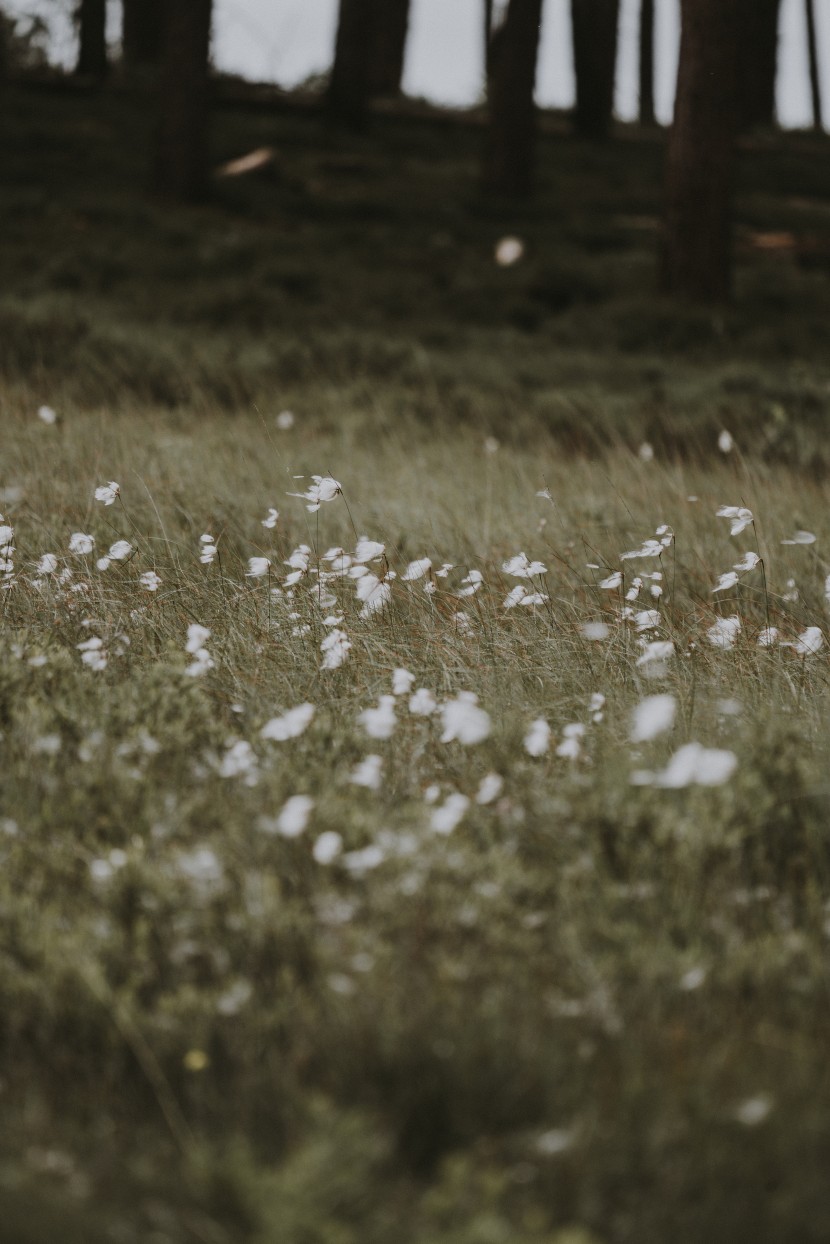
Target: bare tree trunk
(488, 39)
(758, 63)
(141, 33)
(646, 62)
(391, 23)
(91, 16)
(348, 94)
(594, 24)
(812, 53)
(700, 155)
(511, 132)
(181, 168)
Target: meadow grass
(572, 1008)
(592, 1010)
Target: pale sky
(284, 41)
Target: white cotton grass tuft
(754, 1110)
(691, 765)
(80, 543)
(724, 632)
(519, 595)
(801, 537)
(335, 649)
(653, 716)
(379, 723)
(270, 521)
(489, 788)
(402, 681)
(612, 581)
(809, 642)
(325, 488)
(447, 817)
(93, 653)
(257, 567)
(375, 593)
(108, 493)
(285, 420)
(537, 738)
(367, 550)
(509, 250)
(654, 658)
(416, 570)
(739, 515)
(47, 415)
(570, 747)
(422, 703)
(521, 567)
(328, 847)
(464, 721)
(725, 442)
(290, 725)
(197, 637)
(150, 581)
(208, 549)
(368, 772)
(294, 816)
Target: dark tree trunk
(646, 62)
(181, 170)
(758, 63)
(812, 53)
(700, 154)
(511, 131)
(594, 24)
(141, 32)
(91, 16)
(348, 94)
(391, 23)
(488, 39)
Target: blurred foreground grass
(594, 1011)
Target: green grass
(595, 1011)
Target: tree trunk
(700, 153)
(348, 94)
(91, 16)
(646, 62)
(812, 53)
(181, 169)
(758, 63)
(594, 25)
(511, 131)
(391, 23)
(488, 39)
(141, 33)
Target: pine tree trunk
(142, 32)
(700, 154)
(488, 39)
(91, 16)
(181, 170)
(758, 63)
(391, 23)
(812, 54)
(348, 94)
(646, 62)
(511, 131)
(594, 24)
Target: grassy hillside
(286, 962)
